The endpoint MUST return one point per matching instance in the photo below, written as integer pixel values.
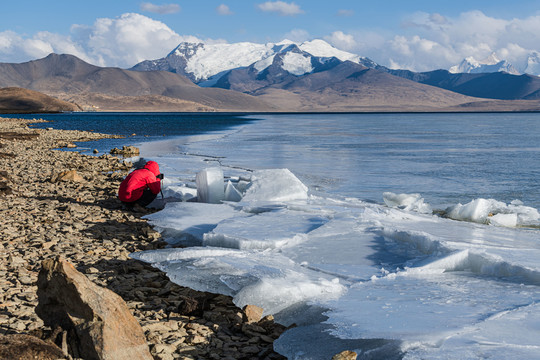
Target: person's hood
(153, 167)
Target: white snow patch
(297, 64)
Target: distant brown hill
(353, 87)
(496, 85)
(18, 100)
(68, 77)
(347, 86)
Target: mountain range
(530, 65)
(103, 88)
(247, 77)
(205, 63)
(257, 69)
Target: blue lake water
(320, 246)
(448, 158)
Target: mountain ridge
(287, 60)
(67, 75)
(206, 62)
(295, 81)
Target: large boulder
(104, 326)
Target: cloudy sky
(418, 35)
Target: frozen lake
(356, 270)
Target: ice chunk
(275, 185)
(260, 231)
(494, 212)
(509, 220)
(477, 210)
(189, 221)
(231, 193)
(210, 186)
(409, 202)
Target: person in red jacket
(141, 186)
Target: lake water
(320, 246)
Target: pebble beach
(63, 203)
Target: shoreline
(289, 112)
(83, 221)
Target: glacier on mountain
(206, 63)
(488, 65)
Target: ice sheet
(269, 230)
(265, 278)
(187, 222)
(387, 280)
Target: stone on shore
(104, 326)
(126, 151)
(345, 355)
(70, 175)
(252, 313)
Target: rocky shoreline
(60, 203)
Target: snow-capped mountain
(489, 65)
(206, 63)
(533, 64)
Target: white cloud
(434, 41)
(297, 35)
(16, 48)
(341, 40)
(281, 7)
(129, 39)
(160, 9)
(122, 42)
(223, 10)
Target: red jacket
(133, 186)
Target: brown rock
(252, 313)
(5, 189)
(26, 347)
(101, 319)
(126, 151)
(70, 175)
(345, 355)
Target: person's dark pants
(146, 198)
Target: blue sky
(418, 35)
